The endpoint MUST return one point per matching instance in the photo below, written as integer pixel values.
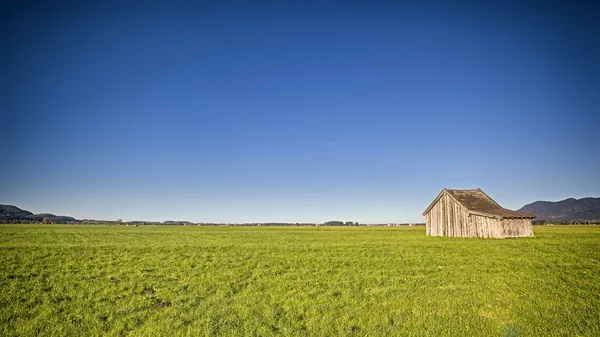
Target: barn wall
(485, 227)
(447, 218)
(516, 228)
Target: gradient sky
(232, 113)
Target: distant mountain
(568, 210)
(9, 213)
(13, 214)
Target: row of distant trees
(570, 222)
(340, 223)
(54, 220)
(44, 220)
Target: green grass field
(260, 281)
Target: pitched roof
(476, 202)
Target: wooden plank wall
(447, 218)
(485, 227)
(516, 228)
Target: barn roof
(477, 202)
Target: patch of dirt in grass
(162, 304)
(156, 302)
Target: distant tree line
(340, 223)
(569, 222)
(43, 220)
(69, 220)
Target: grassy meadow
(315, 281)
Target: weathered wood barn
(472, 213)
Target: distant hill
(9, 213)
(568, 210)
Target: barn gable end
(472, 213)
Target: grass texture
(301, 281)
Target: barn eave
(502, 217)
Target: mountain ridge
(568, 210)
(10, 213)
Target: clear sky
(220, 112)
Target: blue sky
(237, 113)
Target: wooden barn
(472, 213)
